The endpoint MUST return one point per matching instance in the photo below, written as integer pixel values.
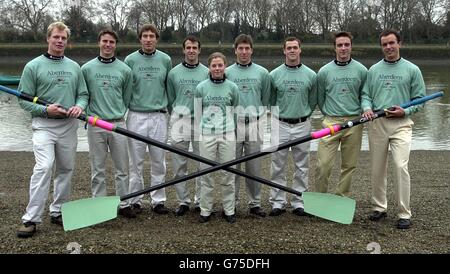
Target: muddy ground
(168, 234)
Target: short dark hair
(148, 27)
(389, 32)
(191, 38)
(215, 55)
(243, 39)
(343, 34)
(291, 38)
(107, 31)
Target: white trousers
(219, 148)
(182, 134)
(152, 125)
(54, 147)
(300, 153)
(249, 141)
(100, 141)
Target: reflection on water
(431, 129)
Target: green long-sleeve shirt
(254, 88)
(339, 88)
(294, 91)
(217, 102)
(391, 84)
(181, 84)
(56, 81)
(149, 80)
(110, 87)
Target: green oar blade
(87, 212)
(331, 207)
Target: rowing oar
(327, 206)
(90, 211)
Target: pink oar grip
(101, 124)
(324, 132)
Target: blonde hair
(60, 26)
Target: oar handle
(331, 130)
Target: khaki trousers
(396, 134)
(350, 143)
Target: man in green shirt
(391, 82)
(293, 99)
(110, 84)
(55, 78)
(181, 84)
(254, 94)
(339, 85)
(147, 115)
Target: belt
(114, 120)
(159, 110)
(248, 119)
(151, 111)
(293, 120)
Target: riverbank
(360, 51)
(168, 234)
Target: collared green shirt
(217, 102)
(254, 88)
(56, 81)
(390, 84)
(110, 87)
(339, 88)
(149, 80)
(294, 91)
(181, 84)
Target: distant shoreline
(365, 51)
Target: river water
(431, 129)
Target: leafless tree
(156, 12)
(30, 15)
(117, 13)
(202, 12)
(223, 10)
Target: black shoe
(257, 211)
(181, 210)
(197, 209)
(56, 220)
(403, 223)
(377, 215)
(204, 219)
(229, 218)
(161, 209)
(277, 212)
(26, 230)
(127, 212)
(137, 208)
(299, 211)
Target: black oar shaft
(215, 166)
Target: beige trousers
(350, 142)
(396, 134)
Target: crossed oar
(86, 212)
